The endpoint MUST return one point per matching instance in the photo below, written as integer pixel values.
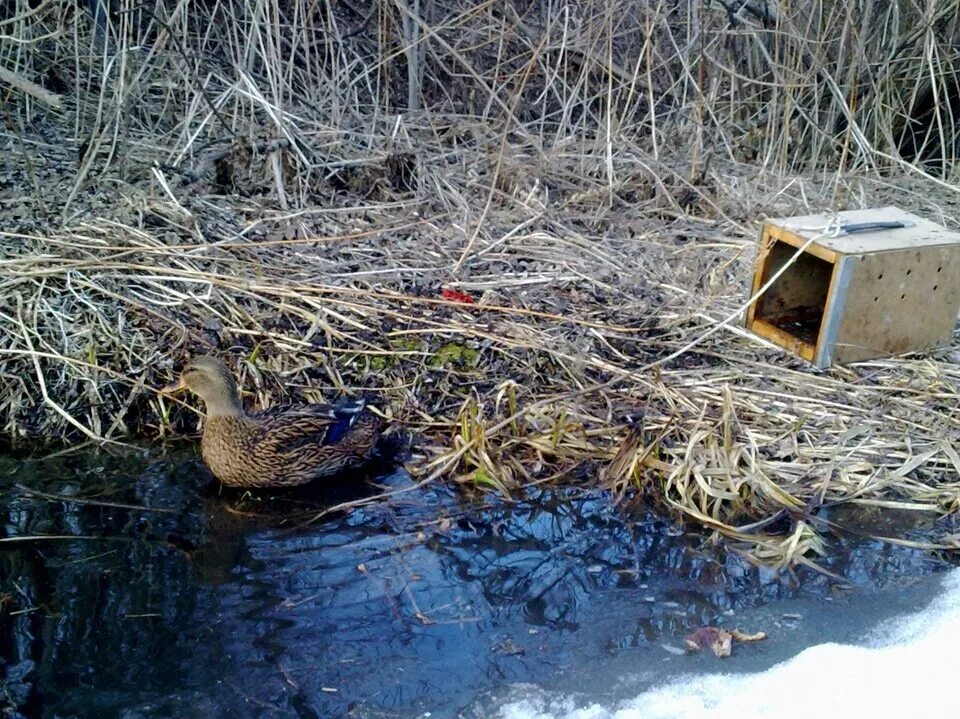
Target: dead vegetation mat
(535, 302)
(573, 337)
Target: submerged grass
(538, 264)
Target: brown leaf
(741, 637)
(717, 640)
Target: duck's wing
(287, 428)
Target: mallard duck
(278, 447)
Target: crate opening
(796, 301)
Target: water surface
(186, 601)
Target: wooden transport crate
(888, 284)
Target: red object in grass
(456, 296)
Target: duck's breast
(229, 449)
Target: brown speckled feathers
(286, 446)
(282, 446)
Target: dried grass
(590, 174)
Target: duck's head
(209, 378)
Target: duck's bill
(177, 386)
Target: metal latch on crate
(854, 227)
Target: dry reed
(295, 184)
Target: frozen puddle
(554, 605)
(902, 667)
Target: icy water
(134, 588)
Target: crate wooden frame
(879, 293)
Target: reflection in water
(234, 603)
